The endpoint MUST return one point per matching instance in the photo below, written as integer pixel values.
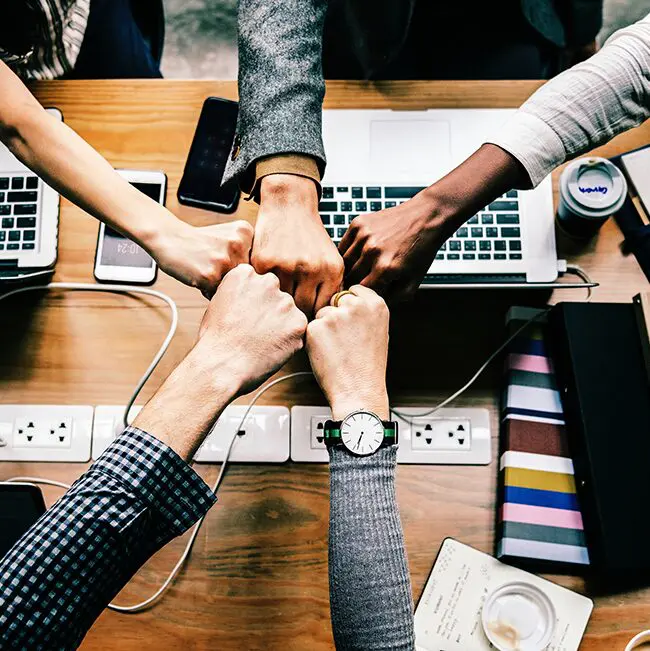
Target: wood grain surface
(257, 577)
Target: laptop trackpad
(408, 150)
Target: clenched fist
(348, 349)
(202, 256)
(291, 242)
(253, 325)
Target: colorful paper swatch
(539, 518)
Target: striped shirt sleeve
(583, 107)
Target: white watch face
(362, 433)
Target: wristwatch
(361, 433)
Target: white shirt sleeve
(584, 106)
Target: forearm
(62, 573)
(281, 84)
(370, 588)
(190, 401)
(70, 165)
(583, 107)
(485, 175)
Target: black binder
(601, 374)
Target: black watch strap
(332, 433)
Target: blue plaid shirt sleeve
(59, 577)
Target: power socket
(266, 438)
(441, 434)
(108, 425)
(307, 434)
(449, 436)
(45, 433)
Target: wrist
(183, 410)
(280, 190)
(374, 401)
(155, 231)
(484, 176)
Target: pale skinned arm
(370, 587)
(291, 241)
(233, 355)
(196, 256)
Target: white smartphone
(117, 258)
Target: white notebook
(448, 615)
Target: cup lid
(518, 616)
(593, 187)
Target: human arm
(196, 256)
(580, 109)
(279, 154)
(291, 242)
(141, 492)
(370, 587)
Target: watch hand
(359, 441)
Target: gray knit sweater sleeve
(370, 587)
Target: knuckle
(244, 229)
(244, 270)
(303, 267)
(372, 246)
(271, 280)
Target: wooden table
(257, 577)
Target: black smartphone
(201, 186)
(21, 505)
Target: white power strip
(108, 425)
(447, 437)
(271, 434)
(266, 437)
(45, 433)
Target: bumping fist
(259, 325)
(291, 242)
(202, 256)
(348, 349)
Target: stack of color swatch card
(539, 524)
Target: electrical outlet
(108, 425)
(42, 433)
(317, 432)
(45, 433)
(448, 436)
(441, 434)
(263, 438)
(307, 434)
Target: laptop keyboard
(19, 214)
(494, 233)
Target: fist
(202, 256)
(291, 242)
(257, 324)
(348, 349)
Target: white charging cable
(139, 607)
(118, 289)
(143, 605)
(638, 640)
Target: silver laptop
(29, 219)
(377, 159)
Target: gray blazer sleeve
(281, 84)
